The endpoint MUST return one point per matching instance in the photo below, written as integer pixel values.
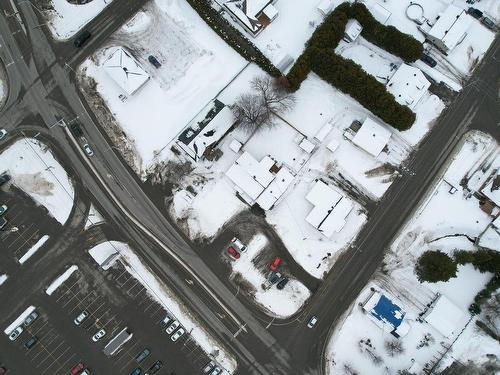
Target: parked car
(476, 13)
(154, 61)
(143, 355)
(239, 245)
(282, 283)
(312, 322)
(99, 335)
(4, 178)
(274, 277)
(80, 318)
(428, 60)
(216, 371)
(137, 371)
(276, 262)
(172, 327)
(233, 252)
(31, 342)
(3, 134)
(16, 333)
(76, 129)
(88, 149)
(81, 39)
(77, 369)
(208, 367)
(3, 222)
(154, 369)
(165, 321)
(30, 318)
(489, 23)
(178, 334)
(3, 209)
(85, 372)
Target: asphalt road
(43, 91)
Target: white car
(239, 245)
(3, 134)
(80, 318)
(178, 334)
(88, 149)
(15, 333)
(312, 322)
(172, 327)
(3, 209)
(99, 335)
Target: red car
(77, 369)
(3, 370)
(232, 251)
(276, 262)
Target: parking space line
(93, 294)
(20, 247)
(68, 359)
(19, 234)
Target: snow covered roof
(330, 209)
(496, 222)
(125, 71)
(353, 29)
(408, 85)
(276, 189)
(492, 190)
(212, 132)
(490, 238)
(444, 316)
(372, 137)
(247, 12)
(384, 311)
(325, 6)
(451, 26)
(380, 13)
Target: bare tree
(491, 312)
(394, 347)
(276, 98)
(251, 113)
(349, 370)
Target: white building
(372, 137)
(445, 317)
(262, 182)
(252, 15)
(352, 30)
(125, 71)
(330, 211)
(492, 189)
(325, 6)
(206, 129)
(408, 85)
(449, 29)
(380, 13)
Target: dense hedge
(232, 36)
(386, 37)
(485, 294)
(350, 78)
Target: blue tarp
(385, 310)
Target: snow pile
(61, 279)
(104, 254)
(19, 320)
(166, 298)
(33, 249)
(34, 169)
(94, 217)
(282, 303)
(3, 278)
(66, 19)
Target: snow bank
(94, 217)
(34, 169)
(33, 249)
(104, 252)
(3, 278)
(19, 320)
(166, 298)
(66, 19)
(61, 279)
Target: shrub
(485, 294)
(482, 260)
(350, 78)
(434, 266)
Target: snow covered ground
(60, 280)
(196, 65)
(166, 298)
(33, 249)
(34, 169)
(445, 222)
(66, 19)
(281, 303)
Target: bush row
(386, 37)
(350, 78)
(232, 36)
(485, 294)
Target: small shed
(352, 30)
(325, 6)
(444, 316)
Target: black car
(274, 277)
(154, 61)
(4, 178)
(82, 38)
(143, 355)
(476, 13)
(154, 369)
(31, 342)
(282, 283)
(488, 23)
(428, 60)
(76, 129)
(3, 222)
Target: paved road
(47, 93)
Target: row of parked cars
(4, 178)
